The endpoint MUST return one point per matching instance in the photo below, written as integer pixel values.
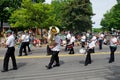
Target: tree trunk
(1, 27)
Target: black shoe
(89, 62)
(25, 54)
(48, 54)
(85, 64)
(71, 53)
(13, 69)
(56, 65)
(110, 61)
(48, 67)
(4, 70)
(19, 55)
(29, 51)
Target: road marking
(61, 55)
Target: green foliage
(77, 15)
(37, 1)
(57, 6)
(6, 8)
(31, 15)
(118, 1)
(112, 18)
(96, 30)
(74, 15)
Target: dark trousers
(100, 44)
(9, 53)
(23, 46)
(83, 44)
(67, 42)
(88, 57)
(72, 49)
(54, 57)
(112, 50)
(27, 44)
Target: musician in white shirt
(28, 42)
(94, 39)
(55, 49)
(83, 40)
(90, 49)
(23, 44)
(101, 38)
(68, 37)
(72, 40)
(113, 47)
(10, 43)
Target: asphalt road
(32, 67)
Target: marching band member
(23, 44)
(55, 48)
(90, 50)
(28, 42)
(10, 43)
(72, 40)
(113, 47)
(68, 36)
(101, 38)
(94, 38)
(83, 40)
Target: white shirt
(83, 38)
(91, 45)
(58, 41)
(113, 41)
(24, 39)
(94, 38)
(27, 38)
(68, 36)
(101, 37)
(72, 39)
(87, 34)
(10, 41)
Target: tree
(37, 1)
(96, 30)
(112, 18)
(6, 8)
(118, 1)
(31, 15)
(77, 15)
(57, 11)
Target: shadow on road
(61, 62)
(83, 62)
(21, 64)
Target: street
(32, 67)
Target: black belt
(55, 51)
(11, 47)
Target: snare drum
(82, 50)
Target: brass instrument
(53, 30)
